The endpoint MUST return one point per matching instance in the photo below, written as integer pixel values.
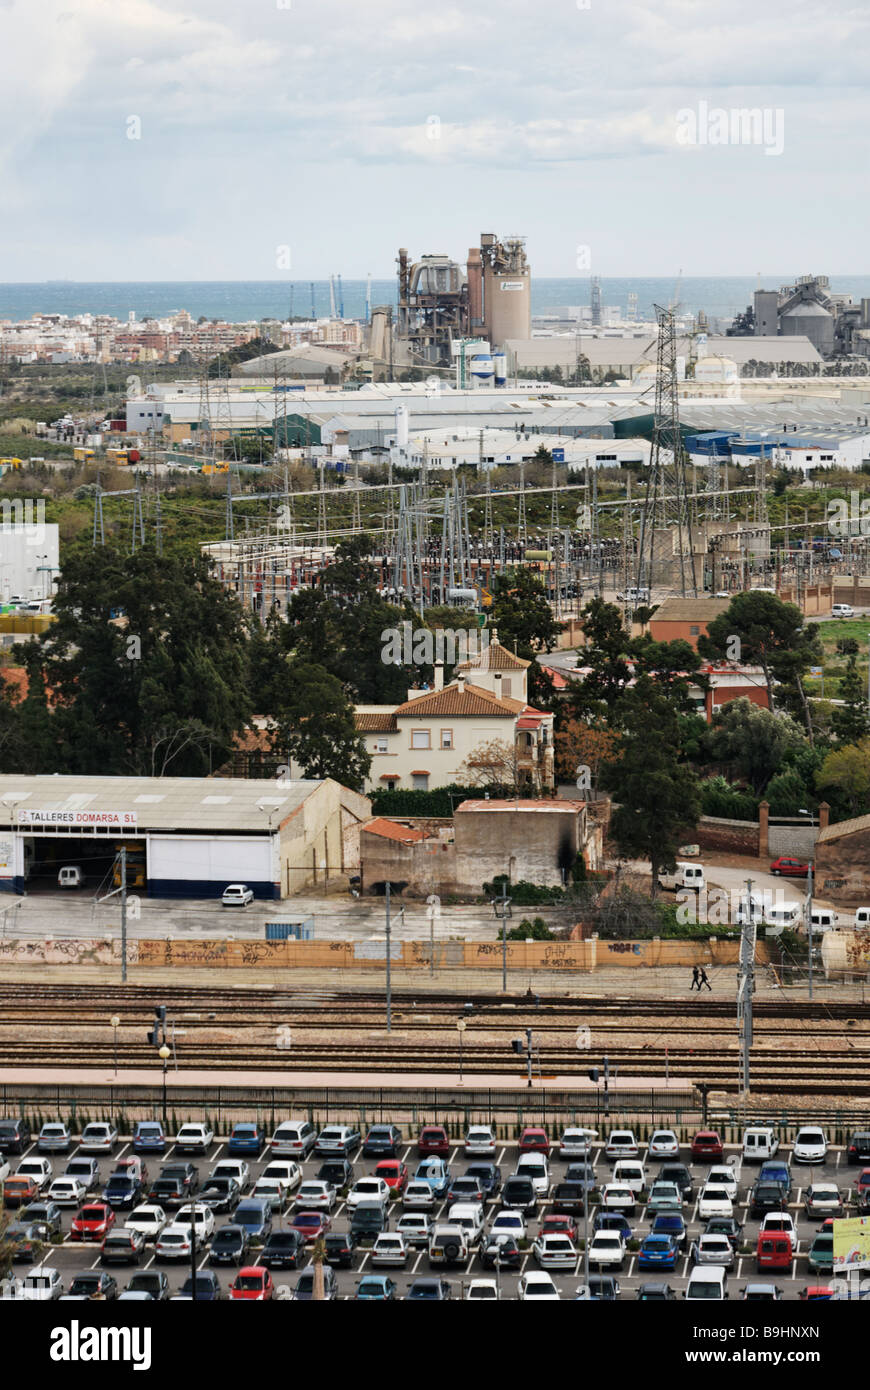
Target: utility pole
(389, 995)
(529, 1052)
(746, 986)
(123, 914)
(809, 922)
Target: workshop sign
(115, 820)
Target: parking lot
(71, 1257)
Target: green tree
(847, 771)
(849, 721)
(758, 627)
(752, 741)
(314, 724)
(522, 614)
(656, 794)
(788, 793)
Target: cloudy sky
(342, 129)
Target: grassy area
(835, 662)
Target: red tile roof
(463, 704)
(392, 830)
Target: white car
(418, 1195)
(173, 1243)
(42, 1284)
(369, 1190)
(707, 1282)
(721, 1175)
(148, 1218)
(618, 1197)
(233, 1168)
(664, 1144)
(822, 1200)
(313, 1195)
(534, 1166)
(480, 1141)
(390, 1250)
(272, 1191)
(414, 1228)
(780, 1221)
(194, 1139)
(810, 1145)
(285, 1171)
(536, 1284)
(98, 1138)
(482, 1288)
(714, 1201)
(508, 1223)
(555, 1252)
(607, 1250)
(39, 1170)
(237, 895)
(468, 1215)
(576, 1142)
(621, 1143)
(201, 1216)
(631, 1173)
(68, 1192)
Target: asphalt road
(72, 1258)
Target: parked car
(222, 1194)
(151, 1281)
(707, 1283)
(394, 1173)
(86, 1169)
(501, 1251)
(68, 1192)
(26, 1239)
(533, 1165)
(14, 1136)
(535, 1283)
(367, 1190)
(148, 1137)
(313, 1195)
(303, 1291)
(655, 1293)
(272, 1192)
(713, 1249)
(823, 1200)
(607, 1249)
(199, 1217)
(368, 1221)
(775, 1171)
(658, 1252)
(761, 1293)
(707, 1144)
(519, 1193)
(678, 1173)
(789, 868)
(429, 1290)
(389, 1249)
(230, 1245)
(337, 1171)
(237, 895)
(285, 1171)
(54, 1138)
(435, 1172)
(433, 1140)
(246, 1137)
(555, 1251)
(488, 1175)
(122, 1190)
(576, 1142)
(621, 1143)
(375, 1286)
(341, 1140)
(235, 1168)
(414, 1228)
(480, 1141)
(714, 1201)
(284, 1249)
(186, 1173)
(42, 1285)
(418, 1195)
(39, 1171)
(92, 1222)
(857, 1149)
(630, 1173)
(122, 1245)
(91, 1283)
(311, 1225)
(810, 1145)
(47, 1213)
(664, 1196)
(256, 1215)
(670, 1224)
(618, 1197)
(820, 1257)
(208, 1289)
(774, 1250)
(663, 1144)
(534, 1139)
(98, 1138)
(294, 1138)
(555, 1223)
(765, 1197)
(339, 1250)
(726, 1226)
(194, 1139)
(382, 1141)
(149, 1218)
(252, 1284)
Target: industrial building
(185, 837)
(29, 550)
(809, 308)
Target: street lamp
(164, 1054)
(461, 1026)
(115, 1021)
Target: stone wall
(842, 870)
(727, 836)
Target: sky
(251, 139)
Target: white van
(784, 915)
(686, 876)
(631, 1173)
(70, 876)
(862, 918)
(759, 1143)
(842, 610)
(707, 1282)
(823, 919)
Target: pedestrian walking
(695, 979)
(704, 981)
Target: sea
(241, 301)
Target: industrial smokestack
(474, 276)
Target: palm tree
(318, 1255)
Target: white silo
(402, 428)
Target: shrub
(720, 798)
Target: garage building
(186, 837)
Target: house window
(505, 685)
(380, 745)
(694, 630)
(446, 738)
(420, 781)
(421, 738)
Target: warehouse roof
(158, 803)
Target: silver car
(713, 1250)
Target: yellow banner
(852, 1244)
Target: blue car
(148, 1137)
(246, 1138)
(255, 1214)
(377, 1286)
(611, 1221)
(658, 1252)
(666, 1224)
(774, 1171)
(435, 1172)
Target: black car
(430, 1290)
(152, 1281)
(518, 1194)
(503, 1248)
(724, 1226)
(655, 1293)
(26, 1239)
(187, 1173)
(382, 1141)
(220, 1194)
(229, 1246)
(285, 1249)
(603, 1288)
(488, 1175)
(93, 1283)
(581, 1175)
(14, 1136)
(857, 1149)
(168, 1192)
(208, 1288)
(765, 1197)
(336, 1171)
(339, 1250)
(368, 1221)
(568, 1198)
(122, 1191)
(678, 1173)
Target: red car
(558, 1225)
(534, 1141)
(252, 1282)
(92, 1222)
(393, 1172)
(706, 1144)
(790, 868)
(816, 1293)
(311, 1224)
(433, 1140)
(862, 1186)
(19, 1191)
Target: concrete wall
(788, 836)
(812, 599)
(525, 844)
(312, 842)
